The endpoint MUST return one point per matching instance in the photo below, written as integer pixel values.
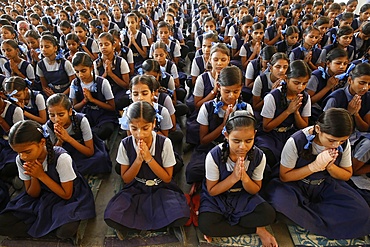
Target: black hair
(142, 79)
(97, 24)
(322, 20)
(361, 69)
(310, 29)
(15, 83)
(291, 30)
(74, 37)
(33, 34)
(143, 110)
(365, 7)
(85, 14)
(65, 23)
(29, 131)
(336, 53)
(151, 65)
(238, 119)
(347, 16)
(229, 76)
(365, 28)
(82, 58)
(267, 52)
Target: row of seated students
(274, 106)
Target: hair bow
(217, 106)
(59, 55)
(43, 130)
(364, 60)
(303, 49)
(29, 83)
(282, 83)
(99, 27)
(124, 122)
(346, 74)
(340, 149)
(158, 116)
(283, 31)
(223, 130)
(94, 87)
(163, 72)
(140, 71)
(309, 141)
(241, 106)
(334, 38)
(74, 87)
(22, 49)
(10, 96)
(323, 72)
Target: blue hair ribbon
(323, 72)
(158, 116)
(217, 106)
(94, 88)
(364, 60)
(334, 38)
(124, 122)
(43, 130)
(223, 130)
(283, 83)
(59, 55)
(346, 74)
(29, 83)
(22, 49)
(99, 27)
(340, 149)
(170, 92)
(37, 50)
(283, 31)
(74, 87)
(241, 106)
(303, 49)
(309, 141)
(163, 70)
(10, 96)
(140, 71)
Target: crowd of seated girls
(73, 72)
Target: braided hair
(17, 83)
(238, 119)
(29, 131)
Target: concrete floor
(97, 229)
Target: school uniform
(282, 46)
(24, 67)
(11, 115)
(92, 45)
(350, 51)
(4, 195)
(120, 22)
(49, 211)
(359, 45)
(56, 74)
(320, 201)
(262, 85)
(276, 138)
(212, 117)
(237, 42)
(235, 203)
(35, 104)
(100, 89)
(271, 32)
(198, 66)
(147, 203)
(141, 41)
(300, 52)
(119, 68)
(99, 162)
(126, 53)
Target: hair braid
(284, 90)
(76, 127)
(225, 151)
(50, 150)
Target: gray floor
(96, 228)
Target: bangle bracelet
(149, 161)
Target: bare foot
(208, 238)
(267, 239)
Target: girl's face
(203, 13)
(292, 39)
(327, 140)
(351, 7)
(247, 27)
(169, 20)
(160, 56)
(345, 40)
(332, 14)
(230, 94)
(270, 16)
(308, 8)
(297, 85)
(47, 48)
(219, 60)
(72, 45)
(155, 74)
(242, 12)
(6, 34)
(365, 15)
(21, 95)
(9, 52)
(141, 129)
(22, 30)
(312, 37)
(324, 28)
(92, 29)
(209, 26)
(131, 23)
(280, 21)
(116, 11)
(258, 35)
(83, 19)
(63, 16)
(261, 12)
(163, 33)
(280, 68)
(65, 30)
(30, 151)
(338, 65)
(317, 9)
(104, 20)
(125, 6)
(206, 47)
(81, 33)
(359, 85)
(347, 22)
(141, 92)
(58, 114)
(85, 73)
(240, 140)
(306, 24)
(105, 46)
